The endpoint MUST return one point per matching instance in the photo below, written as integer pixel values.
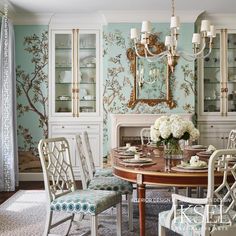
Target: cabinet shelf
(211, 82)
(87, 83)
(58, 100)
(87, 67)
(87, 49)
(211, 100)
(62, 48)
(88, 100)
(63, 67)
(66, 83)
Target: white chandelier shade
(199, 41)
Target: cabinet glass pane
(87, 66)
(63, 73)
(212, 78)
(231, 72)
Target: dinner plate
(192, 167)
(198, 147)
(207, 154)
(140, 160)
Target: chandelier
(199, 41)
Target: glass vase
(172, 150)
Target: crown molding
(153, 16)
(102, 17)
(220, 20)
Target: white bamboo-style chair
(105, 172)
(213, 215)
(104, 183)
(232, 140)
(61, 192)
(145, 136)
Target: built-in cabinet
(216, 103)
(74, 88)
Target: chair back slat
(56, 164)
(222, 163)
(83, 165)
(145, 135)
(91, 166)
(232, 140)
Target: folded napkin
(194, 161)
(132, 149)
(211, 148)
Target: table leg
(141, 202)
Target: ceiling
(89, 6)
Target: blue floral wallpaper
(32, 85)
(118, 80)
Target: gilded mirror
(151, 78)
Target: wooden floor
(27, 185)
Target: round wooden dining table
(159, 172)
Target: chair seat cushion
(107, 172)
(111, 183)
(189, 222)
(86, 201)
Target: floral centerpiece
(169, 130)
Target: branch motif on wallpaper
(32, 86)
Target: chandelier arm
(155, 55)
(136, 51)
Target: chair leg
(68, 230)
(94, 225)
(161, 230)
(48, 222)
(130, 211)
(119, 219)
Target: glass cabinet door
(88, 72)
(231, 59)
(63, 72)
(212, 78)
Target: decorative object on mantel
(169, 130)
(143, 42)
(164, 82)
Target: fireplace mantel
(134, 120)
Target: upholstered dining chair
(61, 192)
(145, 135)
(104, 183)
(105, 172)
(213, 215)
(232, 139)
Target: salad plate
(139, 160)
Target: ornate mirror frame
(157, 47)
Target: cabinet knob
(212, 126)
(63, 127)
(222, 137)
(88, 127)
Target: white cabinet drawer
(205, 128)
(65, 128)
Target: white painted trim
(153, 16)
(102, 18)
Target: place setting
(138, 159)
(194, 165)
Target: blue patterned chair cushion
(190, 223)
(86, 201)
(111, 183)
(107, 172)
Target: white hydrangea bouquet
(168, 130)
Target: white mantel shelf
(134, 120)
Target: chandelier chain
(173, 7)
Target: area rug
(24, 215)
